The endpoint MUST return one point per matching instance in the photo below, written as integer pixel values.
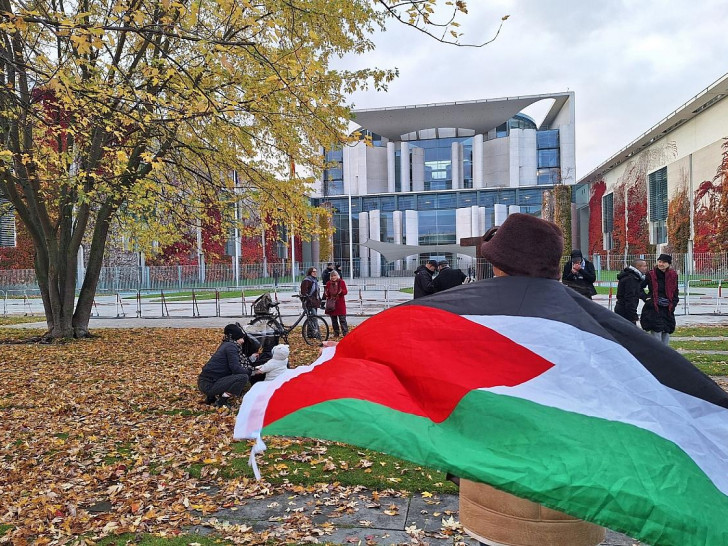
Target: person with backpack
(311, 298)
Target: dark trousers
(337, 320)
(234, 384)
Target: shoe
(224, 402)
(210, 399)
(336, 334)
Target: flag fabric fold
(518, 383)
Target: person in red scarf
(658, 313)
(334, 293)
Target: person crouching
(224, 375)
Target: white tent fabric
(394, 251)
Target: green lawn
(204, 294)
(715, 365)
(701, 331)
(149, 540)
(699, 345)
(20, 319)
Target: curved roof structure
(478, 115)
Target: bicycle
(315, 329)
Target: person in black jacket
(224, 375)
(423, 279)
(447, 277)
(327, 273)
(631, 289)
(579, 274)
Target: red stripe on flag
(413, 359)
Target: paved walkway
(358, 519)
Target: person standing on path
(327, 273)
(658, 313)
(630, 290)
(334, 294)
(423, 279)
(579, 274)
(447, 277)
(311, 298)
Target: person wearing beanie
(631, 284)
(276, 365)
(579, 274)
(224, 376)
(658, 313)
(447, 277)
(525, 253)
(423, 279)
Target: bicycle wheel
(315, 331)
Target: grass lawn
(204, 294)
(20, 319)
(701, 331)
(149, 540)
(701, 345)
(715, 365)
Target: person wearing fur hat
(658, 313)
(225, 375)
(579, 274)
(525, 253)
(276, 365)
(631, 284)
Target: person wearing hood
(658, 313)
(631, 289)
(423, 279)
(276, 365)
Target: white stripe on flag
(597, 377)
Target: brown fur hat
(526, 246)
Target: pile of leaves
(109, 435)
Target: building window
(548, 158)
(547, 139)
(657, 199)
(7, 224)
(608, 220)
(547, 143)
(548, 177)
(334, 172)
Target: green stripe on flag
(618, 475)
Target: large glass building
(431, 175)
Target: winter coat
(225, 361)
(336, 290)
(448, 278)
(310, 288)
(630, 290)
(583, 280)
(656, 317)
(325, 276)
(423, 282)
(273, 368)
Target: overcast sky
(630, 62)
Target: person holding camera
(579, 274)
(658, 312)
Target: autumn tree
(139, 111)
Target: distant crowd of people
(657, 288)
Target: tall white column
(463, 229)
(404, 167)
(501, 213)
(514, 157)
(418, 169)
(363, 250)
(375, 226)
(397, 225)
(478, 162)
(456, 159)
(513, 208)
(482, 223)
(391, 169)
(412, 230)
(475, 221)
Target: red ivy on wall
(596, 239)
(638, 230)
(711, 210)
(21, 256)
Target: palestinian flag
(525, 385)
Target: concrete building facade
(430, 175)
(662, 192)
